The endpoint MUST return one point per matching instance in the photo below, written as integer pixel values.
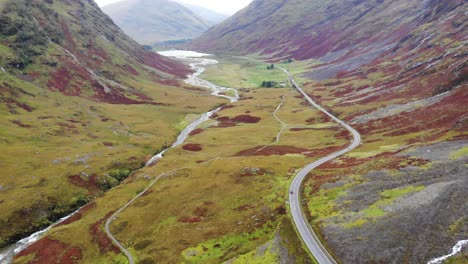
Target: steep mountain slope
(304, 29)
(149, 21)
(209, 15)
(397, 71)
(78, 101)
(408, 98)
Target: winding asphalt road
(306, 232)
(308, 236)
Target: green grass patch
(389, 196)
(322, 205)
(459, 153)
(242, 73)
(217, 248)
(269, 256)
(459, 259)
(458, 225)
(375, 210)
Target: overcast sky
(227, 7)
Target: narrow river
(196, 61)
(455, 250)
(6, 256)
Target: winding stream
(455, 250)
(196, 61)
(6, 256)
(183, 135)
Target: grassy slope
(60, 150)
(289, 27)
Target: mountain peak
(152, 21)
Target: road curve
(114, 216)
(306, 232)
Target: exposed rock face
(414, 226)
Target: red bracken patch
(225, 121)
(142, 96)
(72, 255)
(18, 123)
(89, 184)
(99, 236)
(195, 89)
(60, 80)
(224, 107)
(201, 212)
(47, 251)
(437, 119)
(65, 125)
(131, 70)
(196, 131)
(190, 219)
(95, 50)
(10, 102)
(192, 147)
(311, 120)
(68, 35)
(298, 129)
(117, 96)
(230, 122)
(246, 119)
(78, 215)
(161, 63)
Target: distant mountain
(209, 15)
(152, 21)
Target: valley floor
(223, 194)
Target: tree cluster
(269, 84)
(17, 21)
